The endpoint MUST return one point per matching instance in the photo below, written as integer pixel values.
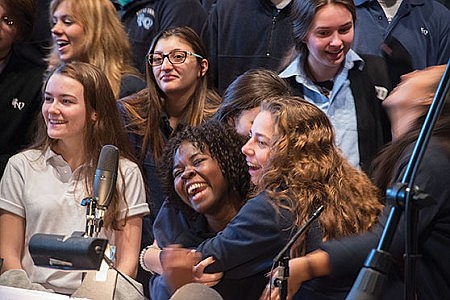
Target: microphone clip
(94, 216)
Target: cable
(111, 265)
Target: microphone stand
(408, 197)
(283, 256)
(91, 287)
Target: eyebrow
(261, 135)
(61, 95)
(62, 16)
(190, 158)
(175, 49)
(339, 26)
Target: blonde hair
(106, 42)
(306, 170)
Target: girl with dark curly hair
(206, 181)
(296, 167)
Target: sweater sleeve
(250, 241)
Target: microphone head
(106, 175)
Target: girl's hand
(209, 279)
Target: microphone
(283, 256)
(106, 176)
(71, 253)
(308, 223)
(104, 185)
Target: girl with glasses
(176, 95)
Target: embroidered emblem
(17, 104)
(424, 31)
(145, 18)
(381, 92)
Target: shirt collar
(294, 69)
(352, 59)
(56, 159)
(49, 154)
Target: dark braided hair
(223, 143)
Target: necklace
(324, 87)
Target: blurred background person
(420, 40)
(20, 79)
(244, 35)
(79, 116)
(242, 98)
(37, 47)
(407, 106)
(90, 31)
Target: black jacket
(373, 124)
(20, 102)
(243, 35)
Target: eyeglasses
(175, 57)
(7, 21)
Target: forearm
(312, 265)
(12, 239)
(128, 242)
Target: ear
(94, 116)
(231, 121)
(203, 67)
(427, 100)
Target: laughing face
(257, 148)
(68, 35)
(329, 37)
(198, 179)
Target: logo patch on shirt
(17, 104)
(381, 92)
(145, 18)
(424, 31)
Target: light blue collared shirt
(340, 107)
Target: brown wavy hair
(306, 170)
(146, 107)
(106, 129)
